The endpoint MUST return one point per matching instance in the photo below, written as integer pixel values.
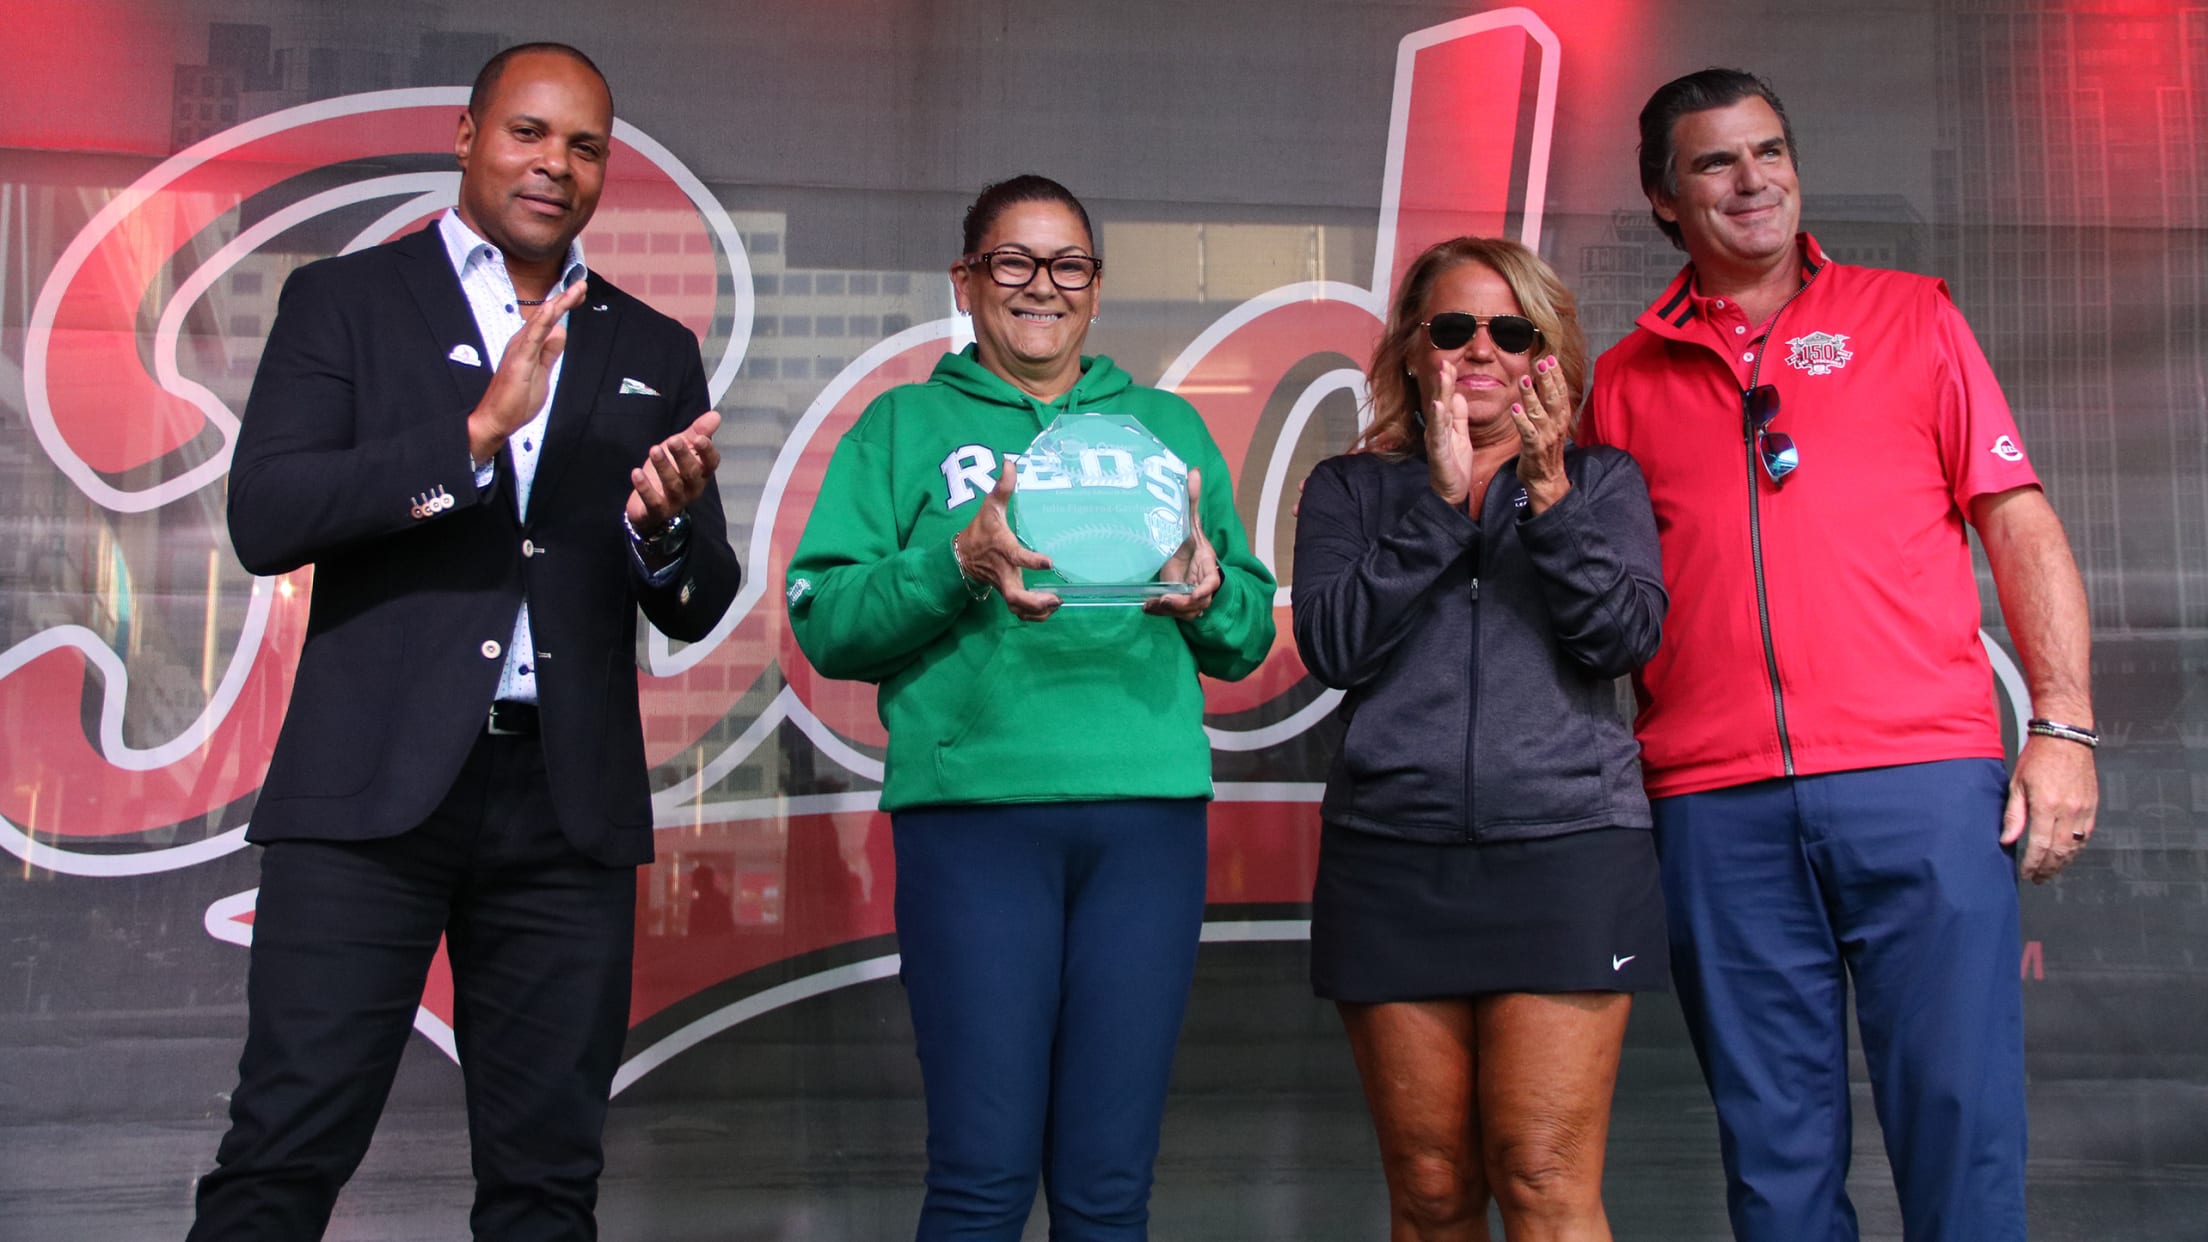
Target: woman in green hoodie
(1047, 771)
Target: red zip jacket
(1830, 623)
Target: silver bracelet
(974, 590)
(2083, 736)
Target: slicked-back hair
(486, 78)
(994, 200)
(1394, 430)
(1697, 92)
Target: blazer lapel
(428, 273)
(591, 328)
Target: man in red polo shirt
(1819, 740)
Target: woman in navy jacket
(1487, 897)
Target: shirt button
(1750, 356)
(1721, 304)
(1737, 330)
(528, 548)
(491, 649)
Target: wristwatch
(668, 543)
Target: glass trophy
(1107, 502)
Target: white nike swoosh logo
(1616, 962)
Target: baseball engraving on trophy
(1107, 502)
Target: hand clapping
(524, 375)
(1543, 415)
(676, 471)
(1449, 441)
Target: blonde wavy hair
(1394, 430)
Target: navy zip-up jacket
(1479, 657)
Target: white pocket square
(465, 355)
(637, 388)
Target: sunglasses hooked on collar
(1758, 406)
(1513, 334)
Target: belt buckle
(495, 729)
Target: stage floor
(806, 1126)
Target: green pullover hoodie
(1093, 703)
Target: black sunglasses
(1015, 268)
(1513, 334)
(1758, 406)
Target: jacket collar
(426, 266)
(427, 273)
(591, 329)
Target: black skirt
(1395, 920)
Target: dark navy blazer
(353, 457)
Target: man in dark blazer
(491, 458)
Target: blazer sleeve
(304, 478)
(690, 603)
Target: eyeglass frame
(1775, 449)
(986, 261)
(1480, 323)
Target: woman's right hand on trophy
(989, 554)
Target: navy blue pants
(1780, 893)
(1048, 951)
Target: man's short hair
(1697, 92)
(486, 78)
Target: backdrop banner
(787, 180)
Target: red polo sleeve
(1980, 447)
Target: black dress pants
(540, 939)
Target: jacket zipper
(1755, 530)
(1472, 705)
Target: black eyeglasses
(1513, 334)
(1758, 406)
(1015, 268)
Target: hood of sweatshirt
(1101, 379)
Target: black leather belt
(511, 719)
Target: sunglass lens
(1779, 455)
(1511, 333)
(1763, 404)
(1451, 329)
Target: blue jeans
(1780, 893)
(1048, 951)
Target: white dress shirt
(499, 317)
